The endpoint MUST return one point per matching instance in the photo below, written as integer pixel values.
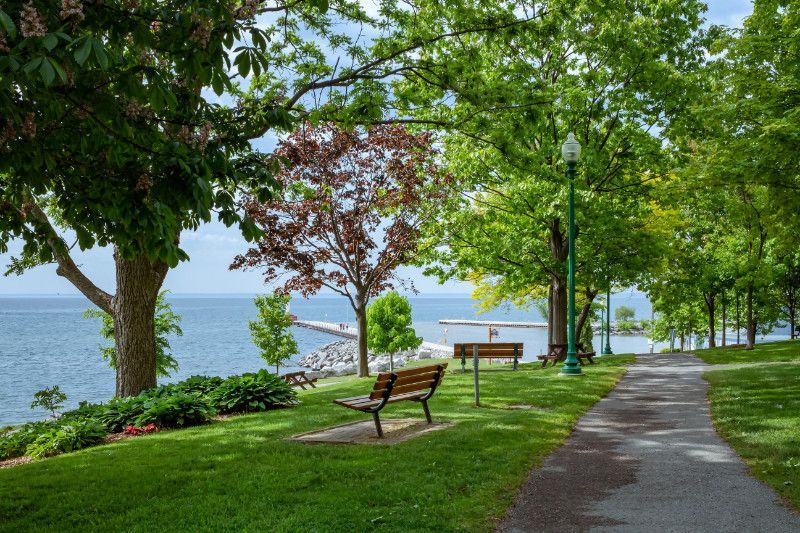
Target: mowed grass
(768, 352)
(757, 410)
(242, 474)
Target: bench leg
(378, 424)
(427, 412)
(590, 360)
(580, 361)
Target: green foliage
(121, 412)
(389, 324)
(252, 392)
(14, 442)
(176, 410)
(271, 330)
(166, 323)
(49, 398)
(65, 437)
(201, 385)
(623, 313)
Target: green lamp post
(571, 152)
(607, 347)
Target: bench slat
(384, 376)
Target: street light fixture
(571, 152)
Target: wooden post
(475, 366)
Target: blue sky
(213, 246)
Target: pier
(349, 332)
(494, 323)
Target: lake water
(44, 341)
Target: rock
(424, 353)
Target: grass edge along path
(243, 473)
(767, 352)
(756, 409)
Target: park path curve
(646, 458)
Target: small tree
(354, 204)
(624, 313)
(166, 323)
(270, 331)
(389, 326)
(50, 399)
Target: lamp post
(607, 347)
(571, 152)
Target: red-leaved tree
(350, 215)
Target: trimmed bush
(67, 437)
(177, 410)
(252, 392)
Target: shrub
(199, 384)
(15, 442)
(252, 392)
(84, 410)
(66, 437)
(177, 410)
(121, 412)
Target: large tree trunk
(138, 283)
(559, 251)
(711, 306)
(724, 320)
(550, 314)
(738, 320)
(587, 307)
(361, 321)
(559, 310)
(751, 323)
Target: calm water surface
(44, 341)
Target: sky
(213, 246)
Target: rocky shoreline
(340, 358)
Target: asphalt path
(647, 458)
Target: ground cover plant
(188, 403)
(244, 473)
(756, 408)
(779, 351)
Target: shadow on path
(646, 458)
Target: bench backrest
(497, 350)
(405, 381)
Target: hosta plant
(252, 392)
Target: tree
(389, 325)
(166, 323)
(49, 398)
(354, 205)
(623, 312)
(514, 95)
(271, 330)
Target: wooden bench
(299, 379)
(558, 352)
(488, 350)
(415, 384)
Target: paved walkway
(646, 458)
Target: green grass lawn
(243, 473)
(757, 410)
(763, 353)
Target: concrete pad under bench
(363, 432)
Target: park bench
(415, 384)
(488, 350)
(299, 379)
(558, 352)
